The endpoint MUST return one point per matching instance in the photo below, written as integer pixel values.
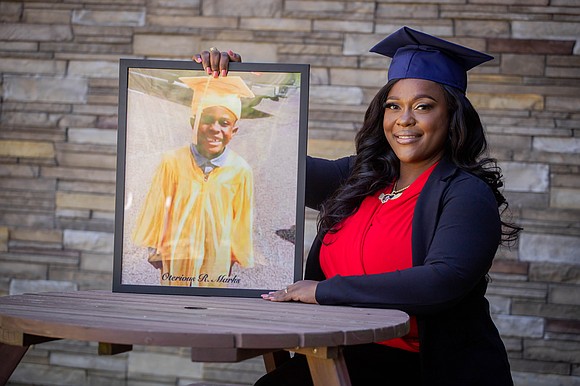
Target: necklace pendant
(384, 197)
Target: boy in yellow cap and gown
(197, 218)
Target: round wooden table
(218, 329)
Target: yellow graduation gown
(200, 225)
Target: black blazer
(456, 232)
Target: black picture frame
(153, 121)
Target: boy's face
(217, 126)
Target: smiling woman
(416, 125)
(411, 222)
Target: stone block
(359, 78)
(197, 21)
(26, 149)
(314, 6)
(18, 270)
(311, 49)
(343, 26)
(513, 346)
(526, 177)
(30, 185)
(527, 379)
(360, 44)
(557, 30)
(499, 304)
(536, 247)
(19, 286)
(551, 350)
(76, 214)
(38, 235)
(85, 201)
(45, 89)
(82, 111)
(92, 242)
(337, 95)
(565, 198)
(35, 32)
(321, 60)
(519, 64)
(489, 28)
(85, 280)
(87, 187)
(27, 120)
(10, 12)
(47, 16)
(40, 218)
(571, 327)
(246, 372)
(93, 136)
(140, 364)
(407, 11)
(507, 101)
(564, 294)
(511, 267)
(519, 326)
(27, 373)
(558, 273)
(560, 103)
(80, 174)
(105, 379)
(545, 310)
(556, 145)
(101, 161)
(271, 24)
(165, 45)
(179, 4)
(4, 235)
(518, 143)
(109, 18)
(35, 66)
(97, 262)
(17, 46)
(243, 8)
(94, 69)
(559, 72)
(330, 149)
(541, 367)
(112, 363)
(531, 291)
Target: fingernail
(216, 74)
(224, 73)
(208, 70)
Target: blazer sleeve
(323, 177)
(458, 257)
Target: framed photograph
(210, 178)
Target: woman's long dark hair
(376, 164)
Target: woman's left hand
(302, 291)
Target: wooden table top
(192, 321)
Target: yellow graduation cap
(222, 91)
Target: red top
(376, 239)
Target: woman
(411, 222)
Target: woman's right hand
(216, 63)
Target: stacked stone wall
(59, 91)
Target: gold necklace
(384, 197)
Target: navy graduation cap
(419, 55)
